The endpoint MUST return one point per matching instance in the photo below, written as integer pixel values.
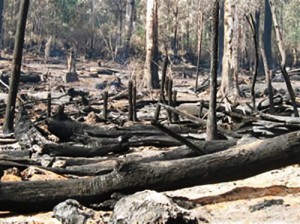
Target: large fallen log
(236, 163)
(108, 165)
(102, 165)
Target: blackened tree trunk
(253, 25)
(16, 68)
(268, 34)
(211, 128)
(151, 63)
(1, 15)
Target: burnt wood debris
(105, 156)
(119, 138)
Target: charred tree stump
(170, 99)
(162, 88)
(105, 104)
(134, 108)
(175, 116)
(49, 105)
(130, 97)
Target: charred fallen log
(18, 155)
(238, 162)
(92, 167)
(25, 132)
(99, 147)
(66, 129)
(24, 78)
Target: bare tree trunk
(211, 127)
(229, 71)
(151, 63)
(130, 14)
(221, 36)
(175, 29)
(253, 26)
(48, 49)
(267, 37)
(72, 60)
(268, 79)
(8, 126)
(295, 57)
(92, 4)
(200, 33)
(282, 52)
(1, 21)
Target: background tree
(151, 62)
(101, 28)
(130, 18)
(282, 51)
(228, 87)
(16, 68)
(211, 127)
(292, 28)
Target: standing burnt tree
(16, 68)
(151, 63)
(267, 37)
(1, 20)
(211, 130)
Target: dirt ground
(271, 197)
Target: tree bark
(229, 86)
(253, 26)
(200, 33)
(1, 22)
(211, 127)
(267, 34)
(235, 163)
(17, 61)
(151, 62)
(268, 80)
(221, 36)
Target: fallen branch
(236, 163)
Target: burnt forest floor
(271, 197)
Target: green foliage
(66, 10)
(292, 22)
